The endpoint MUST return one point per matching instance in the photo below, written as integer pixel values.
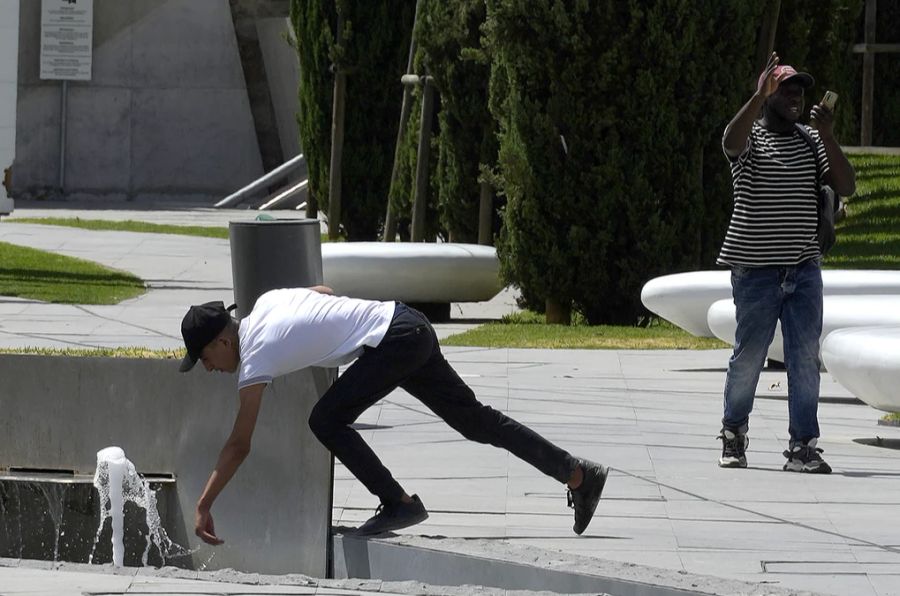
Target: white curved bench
(412, 272)
(685, 298)
(839, 312)
(866, 360)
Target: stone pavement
(651, 415)
(39, 578)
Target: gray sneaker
(734, 446)
(806, 458)
(584, 499)
(394, 516)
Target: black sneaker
(734, 446)
(584, 499)
(394, 516)
(806, 458)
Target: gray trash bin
(270, 254)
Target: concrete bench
(866, 360)
(416, 273)
(686, 298)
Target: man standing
(394, 346)
(773, 253)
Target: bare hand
(767, 83)
(205, 528)
(823, 120)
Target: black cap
(201, 325)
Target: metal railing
(267, 179)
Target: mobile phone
(829, 100)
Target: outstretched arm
(738, 130)
(231, 457)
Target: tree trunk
(558, 313)
(765, 43)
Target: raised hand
(767, 83)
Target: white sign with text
(67, 31)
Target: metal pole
(63, 124)
(337, 143)
(420, 199)
(390, 225)
(868, 82)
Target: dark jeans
(409, 357)
(762, 297)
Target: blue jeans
(762, 297)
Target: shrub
(610, 114)
(449, 49)
(374, 48)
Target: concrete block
(199, 140)
(113, 42)
(98, 143)
(7, 148)
(275, 514)
(188, 42)
(8, 105)
(188, 133)
(283, 75)
(8, 5)
(37, 138)
(9, 52)
(29, 43)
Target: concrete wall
(9, 43)
(275, 515)
(165, 116)
(281, 60)
(441, 561)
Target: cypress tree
(464, 136)
(818, 36)
(607, 113)
(375, 42)
(886, 111)
(313, 22)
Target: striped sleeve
(821, 154)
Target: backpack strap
(804, 134)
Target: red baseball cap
(784, 72)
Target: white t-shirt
(296, 328)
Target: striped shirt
(775, 215)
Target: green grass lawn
(42, 275)
(869, 237)
(124, 352)
(38, 275)
(126, 226)
(130, 225)
(527, 330)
